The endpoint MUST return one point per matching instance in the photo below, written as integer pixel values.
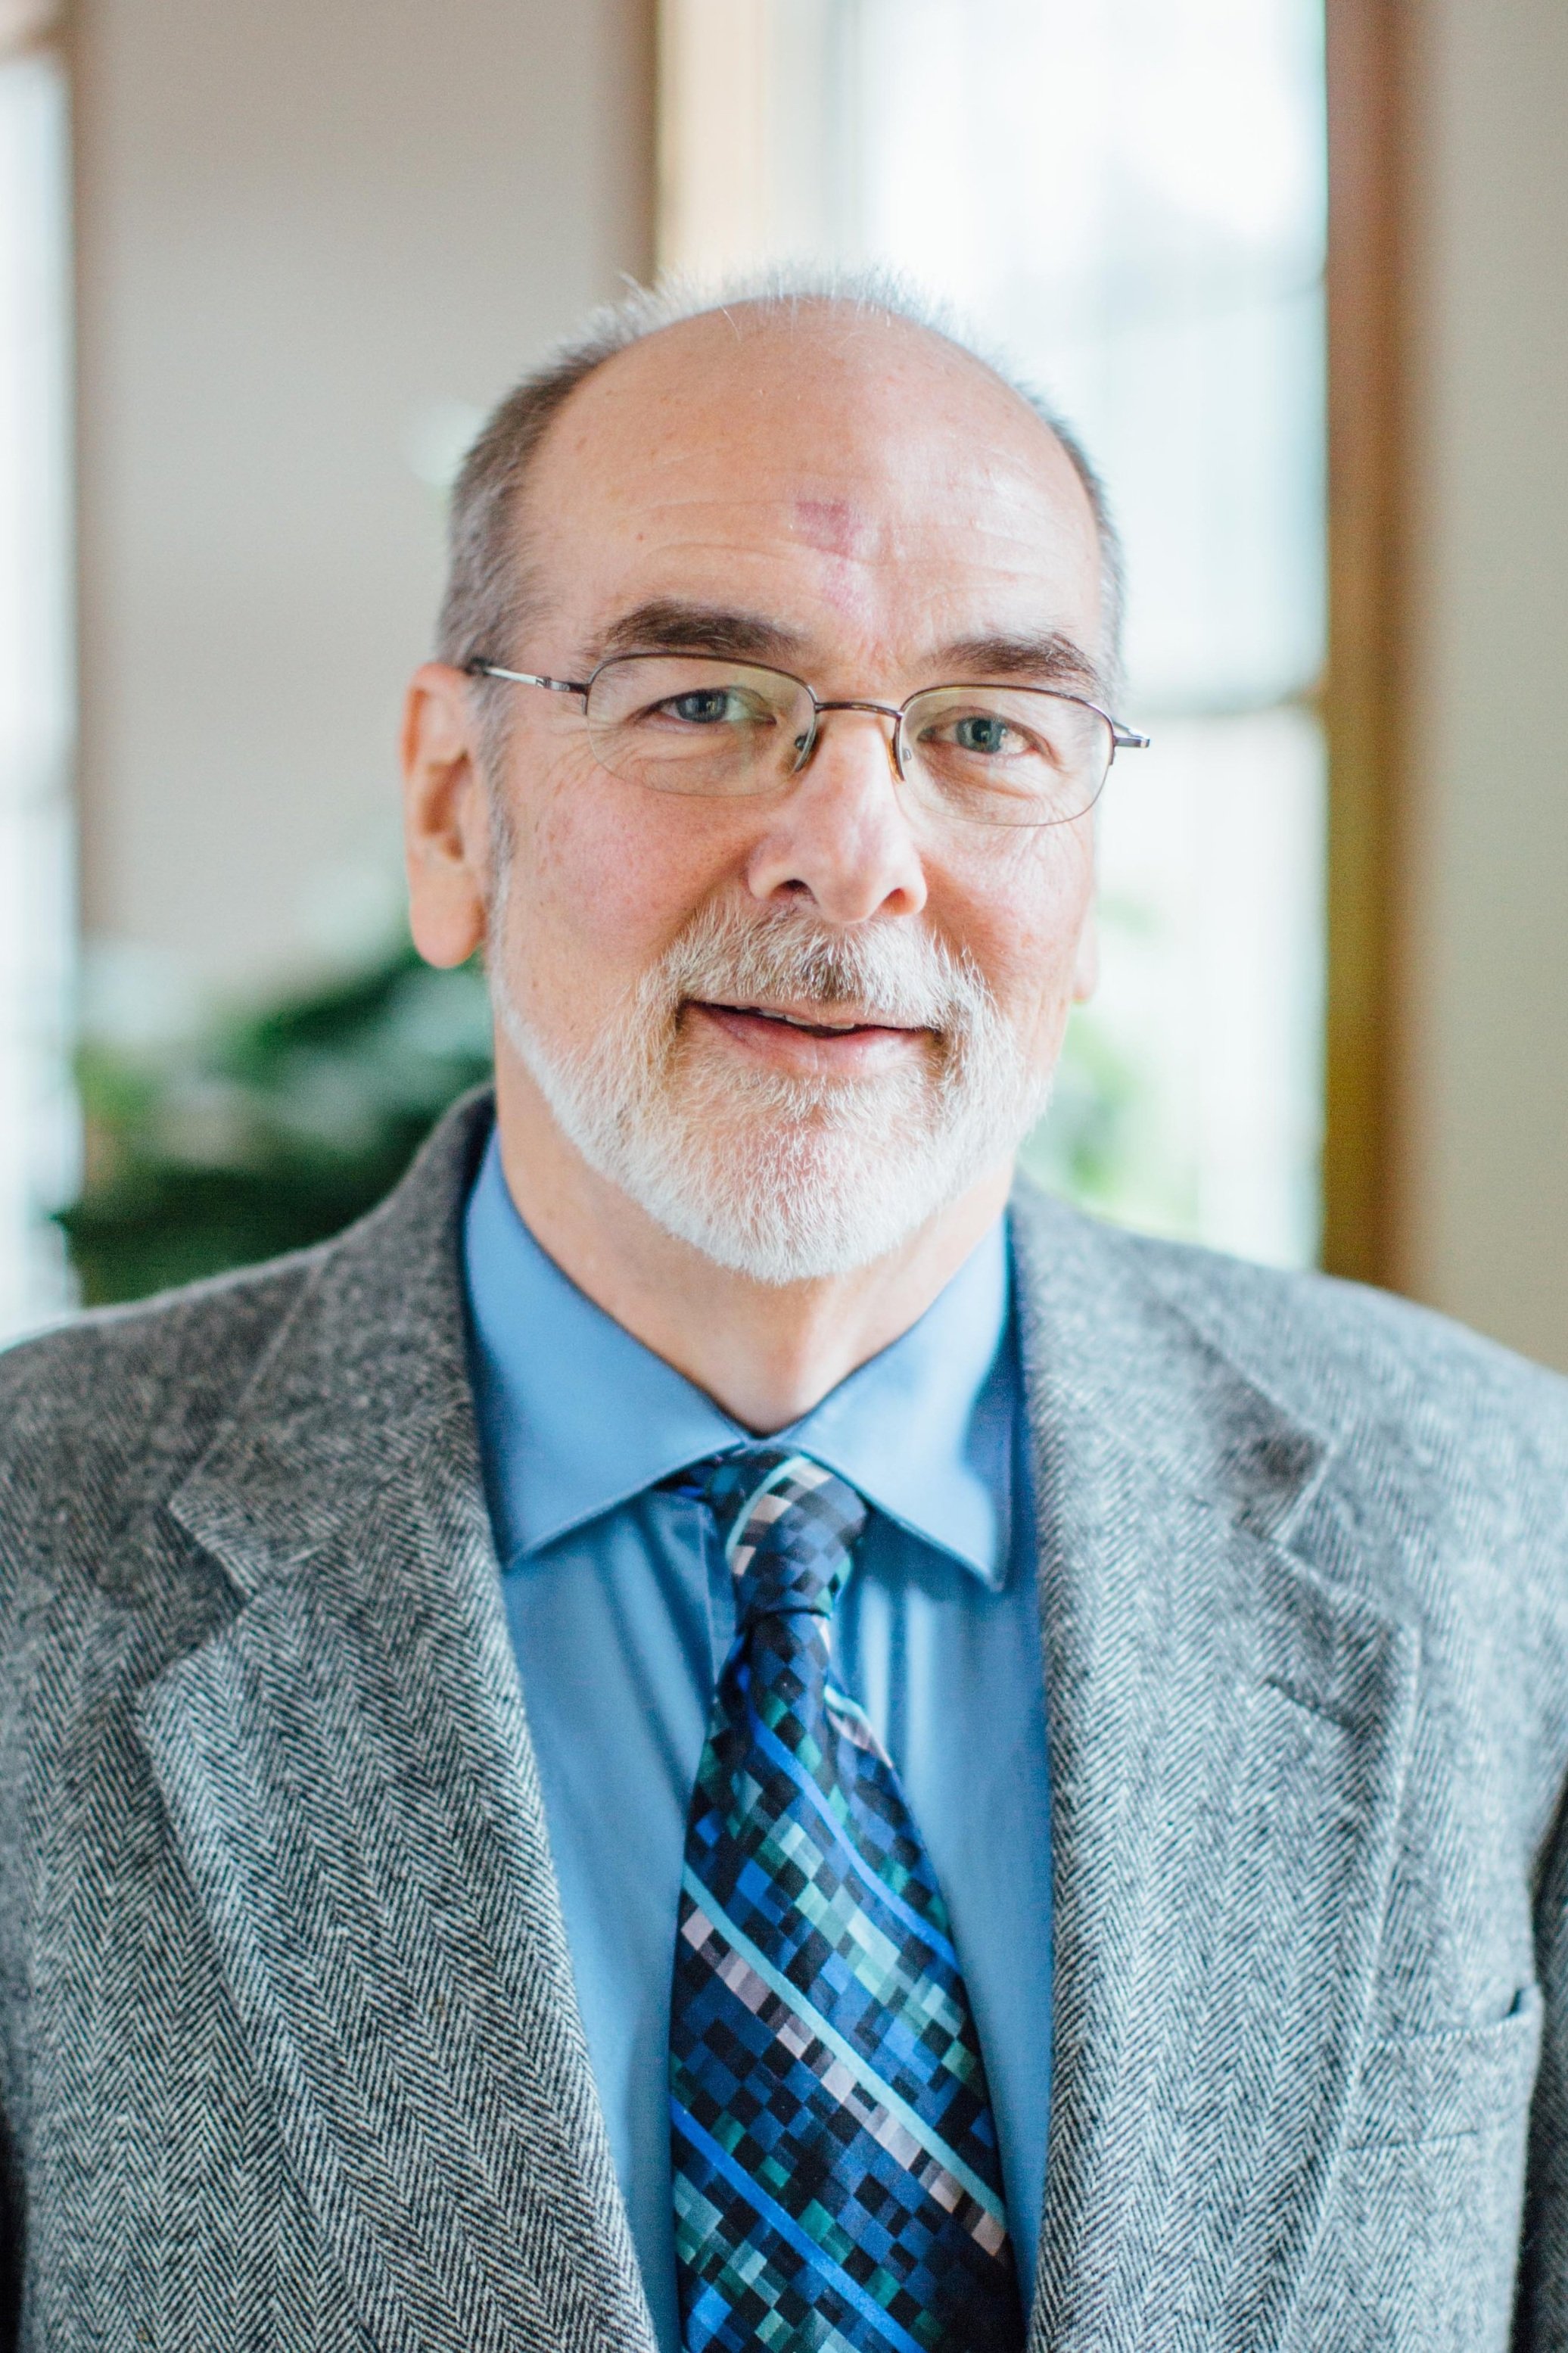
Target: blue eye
(984, 733)
(705, 706)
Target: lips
(805, 1024)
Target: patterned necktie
(836, 2180)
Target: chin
(808, 1222)
(780, 1177)
(808, 1191)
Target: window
(37, 1126)
(1131, 200)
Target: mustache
(893, 971)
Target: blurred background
(1294, 271)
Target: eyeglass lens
(993, 754)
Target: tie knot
(788, 1527)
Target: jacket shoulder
(1348, 1354)
(103, 1416)
(1381, 1379)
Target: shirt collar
(577, 1416)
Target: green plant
(273, 1130)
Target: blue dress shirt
(621, 1616)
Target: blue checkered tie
(837, 2181)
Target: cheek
(1025, 925)
(603, 878)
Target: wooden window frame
(1366, 340)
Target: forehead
(843, 472)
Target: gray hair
(488, 599)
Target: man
(716, 1729)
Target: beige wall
(306, 233)
(1484, 853)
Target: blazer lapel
(347, 1773)
(1227, 1739)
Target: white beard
(779, 1177)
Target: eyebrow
(669, 625)
(673, 626)
(1053, 658)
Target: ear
(446, 815)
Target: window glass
(37, 1125)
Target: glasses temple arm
(479, 669)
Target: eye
(985, 735)
(709, 706)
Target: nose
(842, 837)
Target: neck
(766, 1353)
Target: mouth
(839, 1025)
(789, 1032)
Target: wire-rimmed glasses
(699, 725)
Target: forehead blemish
(831, 524)
(847, 539)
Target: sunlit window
(1129, 198)
(37, 890)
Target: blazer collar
(367, 1377)
(1228, 1735)
(348, 1771)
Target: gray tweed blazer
(289, 2055)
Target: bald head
(850, 379)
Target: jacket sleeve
(1542, 2321)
